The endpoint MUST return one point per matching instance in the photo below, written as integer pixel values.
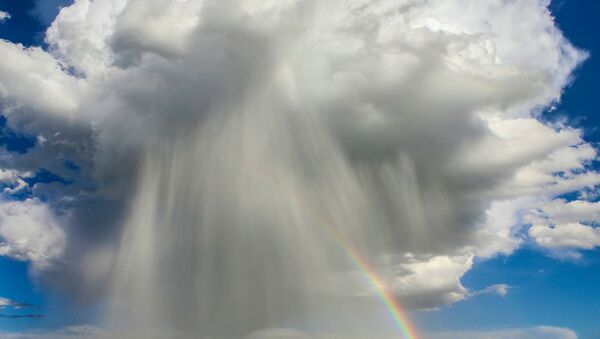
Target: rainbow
(396, 311)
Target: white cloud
(437, 273)
(421, 282)
(500, 290)
(4, 16)
(553, 161)
(32, 79)
(573, 235)
(30, 231)
(13, 180)
(8, 176)
(80, 33)
(562, 211)
(560, 225)
(5, 303)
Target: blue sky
(16, 283)
(544, 289)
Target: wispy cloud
(71, 332)
(8, 303)
(21, 316)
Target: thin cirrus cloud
(428, 109)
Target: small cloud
(7, 303)
(499, 290)
(4, 16)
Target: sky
(464, 135)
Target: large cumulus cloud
(425, 113)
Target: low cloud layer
(420, 119)
(73, 332)
(545, 332)
(541, 332)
